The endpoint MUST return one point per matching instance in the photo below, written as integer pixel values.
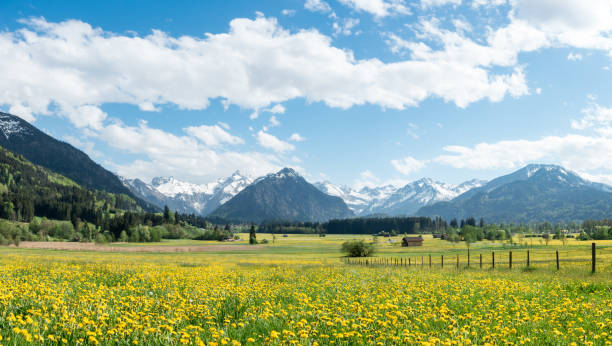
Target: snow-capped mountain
(393, 201)
(187, 197)
(10, 125)
(536, 192)
(285, 196)
(356, 200)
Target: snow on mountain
(10, 126)
(397, 201)
(169, 186)
(356, 200)
(187, 197)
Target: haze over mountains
(536, 192)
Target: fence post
(409, 261)
(557, 252)
(430, 261)
(468, 258)
(422, 261)
(528, 258)
(493, 260)
(457, 261)
(510, 259)
(480, 261)
(593, 258)
(442, 261)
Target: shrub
(357, 248)
(264, 241)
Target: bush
(264, 241)
(358, 248)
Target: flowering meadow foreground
(285, 297)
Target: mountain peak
(11, 125)
(284, 173)
(533, 168)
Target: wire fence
(495, 259)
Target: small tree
(252, 235)
(357, 248)
(546, 238)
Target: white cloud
(378, 8)
(366, 179)
(407, 165)
(412, 130)
(578, 152)
(317, 6)
(288, 12)
(296, 137)
(224, 125)
(488, 3)
(166, 154)
(273, 121)
(435, 3)
(213, 135)
(594, 116)
(574, 56)
(269, 141)
(57, 67)
(345, 26)
(574, 23)
(277, 109)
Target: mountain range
(186, 197)
(536, 192)
(392, 201)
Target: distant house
(412, 241)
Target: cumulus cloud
(163, 153)
(213, 135)
(578, 152)
(317, 6)
(378, 8)
(407, 165)
(269, 141)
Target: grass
(297, 290)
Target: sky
(356, 92)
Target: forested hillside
(28, 190)
(22, 138)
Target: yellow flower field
(91, 298)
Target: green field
(298, 290)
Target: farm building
(412, 241)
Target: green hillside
(28, 190)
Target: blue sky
(351, 91)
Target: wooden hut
(412, 241)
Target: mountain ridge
(536, 192)
(282, 196)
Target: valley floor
(299, 291)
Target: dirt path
(140, 248)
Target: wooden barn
(412, 241)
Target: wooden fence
(492, 262)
